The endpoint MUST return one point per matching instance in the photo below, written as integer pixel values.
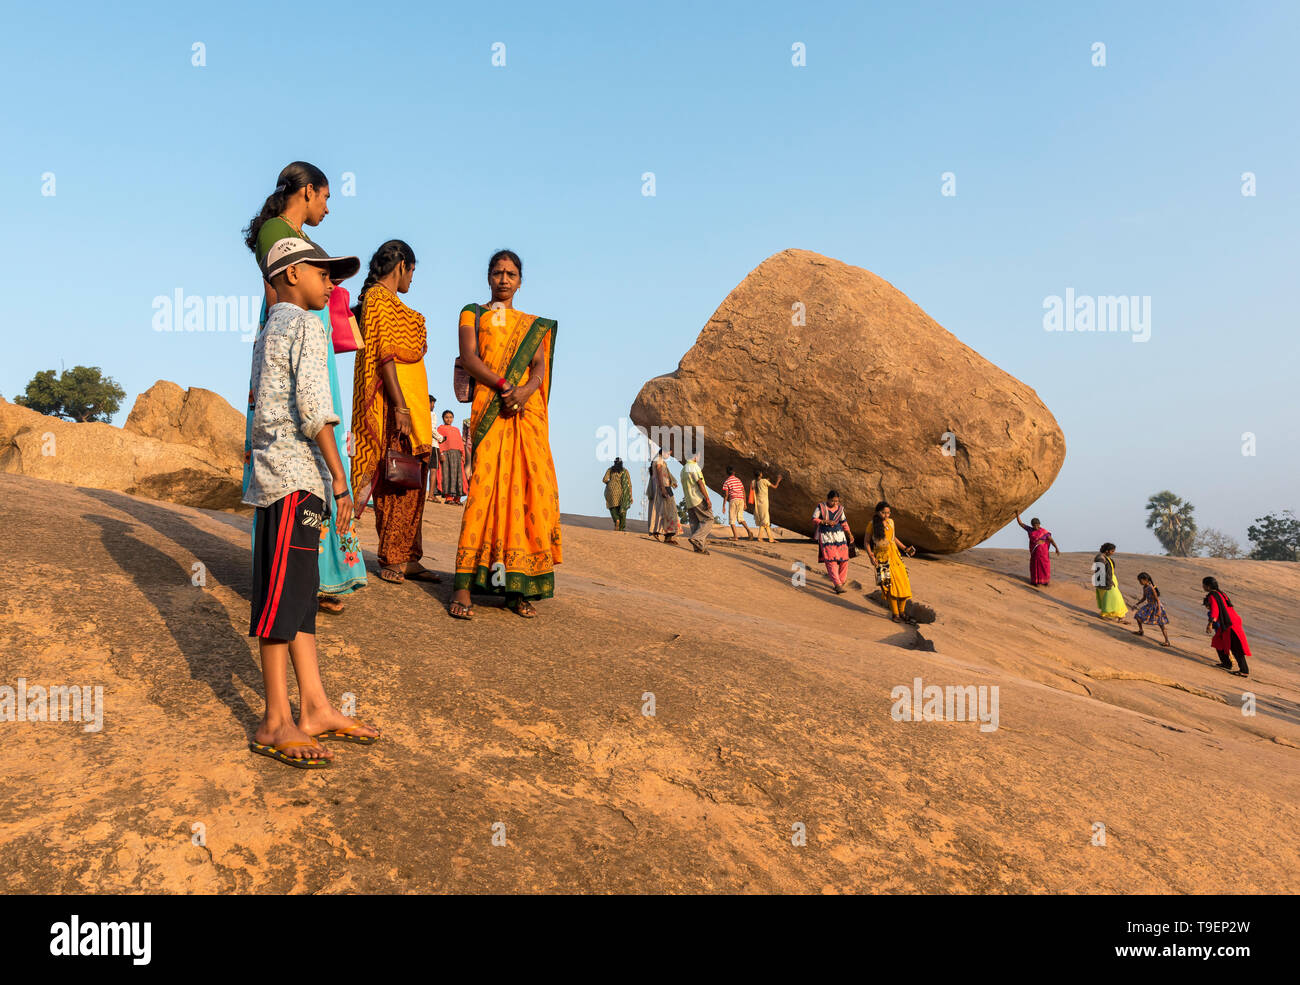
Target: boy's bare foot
(268, 735)
(330, 719)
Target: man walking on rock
(695, 496)
(733, 490)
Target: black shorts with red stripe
(286, 567)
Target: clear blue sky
(1117, 180)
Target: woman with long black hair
(1225, 626)
(299, 200)
(891, 573)
(391, 412)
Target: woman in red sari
(1040, 561)
(1225, 624)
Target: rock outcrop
(197, 418)
(831, 375)
(206, 473)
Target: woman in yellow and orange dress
(510, 531)
(891, 573)
(390, 409)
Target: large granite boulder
(100, 456)
(197, 418)
(829, 374)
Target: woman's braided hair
(383, 263)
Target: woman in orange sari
(390, 410)
(510, 532)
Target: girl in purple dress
(1150, 609)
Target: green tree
(1171, 520)
(1277, 538)
(82, 393)
(1215, 543)
(44, 394)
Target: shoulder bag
(462, 383)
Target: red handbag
(343, 324)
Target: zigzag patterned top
(392, 332)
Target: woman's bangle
(404, 410)
(503, 385)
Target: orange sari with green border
(510, 532)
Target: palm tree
(1171, 520)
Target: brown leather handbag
(402, 470)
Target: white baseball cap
(286, 252)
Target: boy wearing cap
(296, 478)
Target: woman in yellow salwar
(1110, 601)
(891, 574)
(510, 531)
(390, 411)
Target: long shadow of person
(229, 564)
(217, 654)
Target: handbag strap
(398, 447)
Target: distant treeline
(1274, 537)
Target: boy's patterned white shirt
(291, 403)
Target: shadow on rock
(200, 625)
(228, 563)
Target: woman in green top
(618, 493)
(301, 199)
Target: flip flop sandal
(392, 576)
(523, 608)
(332, 606)
(424, 574)
(280, 756)
(345, 735)
(465, 611)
